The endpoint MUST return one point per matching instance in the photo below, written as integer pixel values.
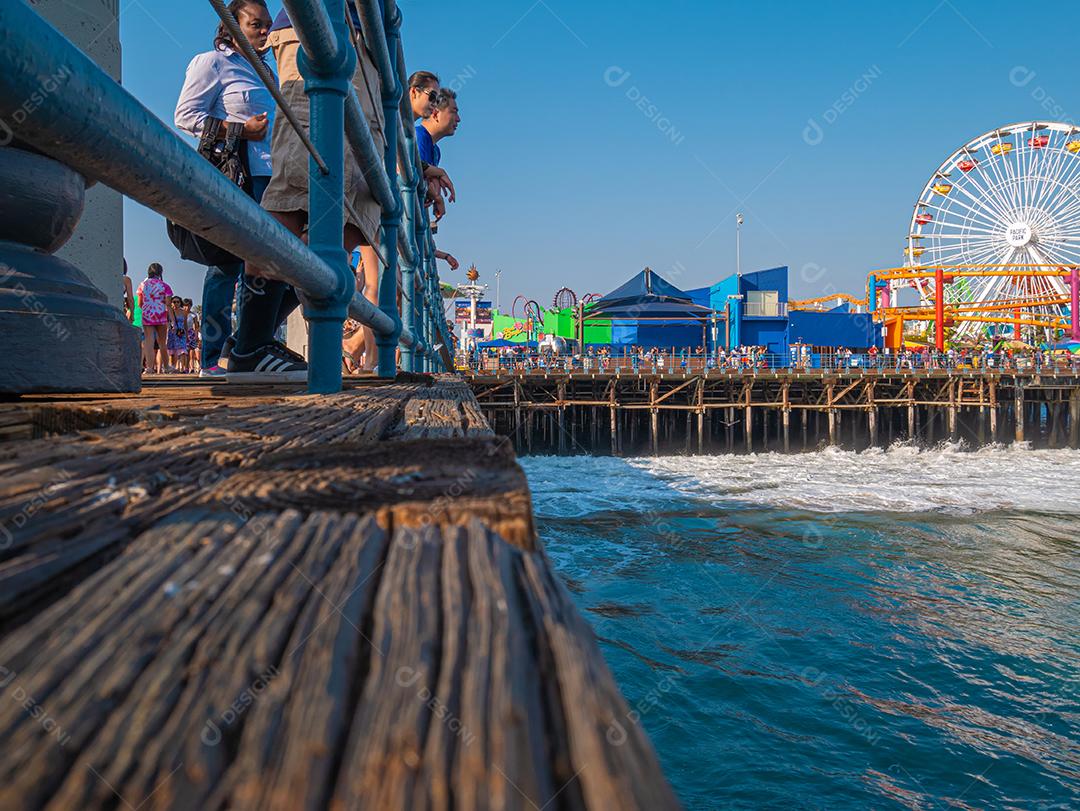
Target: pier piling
(1018, 407)
(653, 413)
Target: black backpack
(230, 158)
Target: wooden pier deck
(218, 598)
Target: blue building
(750, 309)
(757, 304)
(759, 316)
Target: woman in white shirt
(222, 84)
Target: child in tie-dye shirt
(153, 295)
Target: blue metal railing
(95, 126)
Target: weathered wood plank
(66, 505)
(310, 604)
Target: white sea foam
(900, 479)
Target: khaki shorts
(288, 189)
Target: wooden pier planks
(68, 504)
(297, 603)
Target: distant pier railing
(673, 363)
(93, 125)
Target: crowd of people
(243, 310)
(669, 360)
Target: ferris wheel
(1010, 197)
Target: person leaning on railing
(438, 102)
(441, 122)
(423, 90)
(222, 84)
(257, 355)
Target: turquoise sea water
(892, 629)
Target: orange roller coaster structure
(821, 302)
(1043, 298)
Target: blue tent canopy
(648, 310)
(648, 296)
(645, 283)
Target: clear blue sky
(601, 137)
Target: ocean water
(887, 629)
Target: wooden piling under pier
(856, 408)
(213, 597)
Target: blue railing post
(419, 325)
(434, 307)
(428, 265)
(326, 86)
(391, 220)
(408, 276)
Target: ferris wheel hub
(1019, 234)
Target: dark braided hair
(223, 39)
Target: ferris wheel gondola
(1009, 197)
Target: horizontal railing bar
(368, 314)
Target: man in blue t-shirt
(425, 145)
(442, 123)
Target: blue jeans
(219, 292)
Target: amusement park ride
(993, 246)
(992, 250)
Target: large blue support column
(326, 86)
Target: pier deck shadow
(270, 600)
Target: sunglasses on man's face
(431, 94)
